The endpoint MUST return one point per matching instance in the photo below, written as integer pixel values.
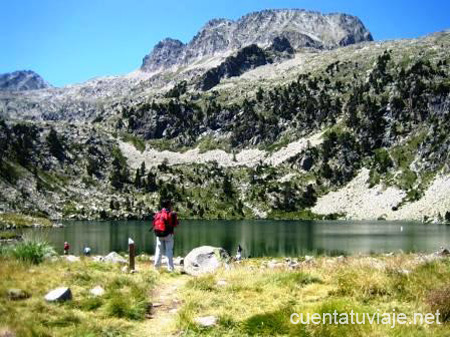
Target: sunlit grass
(248, 299)
(113, 314)
(253, 300)
(21, 220)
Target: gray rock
(178, 261)
(206, 321)
(71, 258)
(275, 265)
(98, 258)
(205, 259)
(97, 291)
(294, 265)
(164, 54)
(17, 294)
(59, 295)
(443, 252)
(113, 257)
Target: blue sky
(68, 41)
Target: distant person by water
(239, 253)
(87, 251)
(164, 223)
(66, 248)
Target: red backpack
(161, 223)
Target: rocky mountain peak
(164, 54)
(222, 36)
(22, 80)
(214, 23)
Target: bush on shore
(34, 248)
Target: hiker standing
(239, 253)
(66, 248)
(163, 224)
(87, 251)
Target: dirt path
(165, 304)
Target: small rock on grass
(275, 265)
(222, 283)
(72, 258)
(59, 295)
(98, 258)
(97, 291)
(205, 259)
(113, 257)
(207, 321)
(443, 252)
(17, 294)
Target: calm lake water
(258, 238)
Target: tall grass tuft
(34, 248)
(439, 299)
(126, 299)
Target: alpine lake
(258, 238)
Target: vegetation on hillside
(386, 110)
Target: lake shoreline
(21, 220)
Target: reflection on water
(259, 238)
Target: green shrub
(382, 160)
(34, 249)
(137, 142)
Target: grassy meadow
(253, 298)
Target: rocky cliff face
(220, 36)
(247, 58)
(22, 80)
(164, 55)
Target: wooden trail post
(132, 252)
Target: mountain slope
(22, 80)
(359, 131)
